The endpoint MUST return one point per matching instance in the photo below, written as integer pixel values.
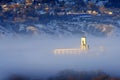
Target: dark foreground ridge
(70, 75)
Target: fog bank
(35, 57)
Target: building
(83, 48)
(84, 45)
(29, 2)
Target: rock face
(66, 26)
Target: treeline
(70, 75)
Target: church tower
(84, 45)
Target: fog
(35, 57)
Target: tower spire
(83, 45)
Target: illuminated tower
(84, 45)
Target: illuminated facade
(83, 48)
(83, 45)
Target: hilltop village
(27, 13)
(24, 10)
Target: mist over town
(59, 39)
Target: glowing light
(110, 13)
(83, 48)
